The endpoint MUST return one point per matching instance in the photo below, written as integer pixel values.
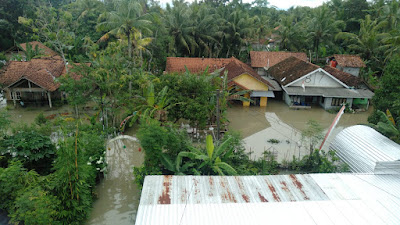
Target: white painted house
(305, 84)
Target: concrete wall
(317, 79)
(353, 71)
(261, 71)
(328, 101)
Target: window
(16, 95)
(338, 101)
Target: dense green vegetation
(126, 43)
(150, 32)
(50, 182)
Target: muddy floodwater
(259, 125)
(118, 194)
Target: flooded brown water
(118, 194)
(276, 121)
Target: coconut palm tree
(126, 19)
(367, 42)
(322, 28)
(180, 26)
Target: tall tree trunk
(130, 59)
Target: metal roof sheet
(278, 199)
(363, 149)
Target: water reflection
(118, 194)
(277, 121)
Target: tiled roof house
(239, 74)
(263, 60)
(305, 84)
(347, 63)
(34, 81)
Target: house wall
(317, 79)
(353, 71)
(261, 71)
(250, 83)
(328, 103)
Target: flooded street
(276, 121)
(118, 194)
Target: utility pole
(217, 115)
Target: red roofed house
(240, 75)
(305, 84)
(347, 63)
(34, 81)
(261, 61)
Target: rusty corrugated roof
(269, 59)
(278, 199)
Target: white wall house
(305, 85)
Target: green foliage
(194, 94)
(384, 126)
(72, 178)
(13, 180)
(35, 150)
(387, 96)
(156, 139)
(40, 119)
(273, 141)
(4, 122)
(319, 162)
(312, 134)
(35, 206)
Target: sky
(280, 4)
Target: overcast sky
(281, 4)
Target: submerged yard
(119, 196)
(259, 126)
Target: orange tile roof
(236, 68)
(264, 59)
(349, 61)
(194, 65)
(346, 78)
(42, 72)
(47, 51)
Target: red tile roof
(194, 65)
(42, 72)
(47, 51)
(349, 61)
(197, 65)
(236, 68)
(346, 78)
(264, 59)
(291, 69)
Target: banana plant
(154, 106)
(211, 160)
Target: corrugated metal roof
(362, 147)
(278, 199)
